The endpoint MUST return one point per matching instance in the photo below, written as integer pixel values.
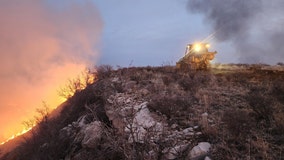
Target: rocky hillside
(229, 112)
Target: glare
(197, 47)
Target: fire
(18, 134)
(80, 83)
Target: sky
(147, 32)
(43, 43)
(141, 33)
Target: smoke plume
(255, 27)
(42, 44)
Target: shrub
(167, 80)
(171, 106)
(103, 71)
(187, 84)
(278, 91)
(261, 103)
(238, 122)
(77, 84)
(279, 123)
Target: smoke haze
(254, 27)
(41, 46)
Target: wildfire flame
(18, 134)
(80, 83)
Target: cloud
(42, 43)
(253, 27)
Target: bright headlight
(197, 47)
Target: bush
(261, 103)
(171, 106)
(167, 80)
(238, 122)
(279, 123)
(278, 91)
(188, 84)
(103, 71)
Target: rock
(65, 132)
(174, 152)
(188, 130)
(199, 133)
(132, 116)
(144, 92)
(142, 121)
(196, 127)
(139, 134)
(200, 151)
(143, 117)
(92, 134)
(110, 101)
(189, 134)
(130, 85)
(115, 79)
(70, 130)
(207, 158)
(174, 126)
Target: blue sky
(147, 32)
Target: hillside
(229, 112)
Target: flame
(18, 134)
(84, 78)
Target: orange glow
(51, 97)
(41, 48)
(18, 134)
(11, 124)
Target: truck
(196, 57)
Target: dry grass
(245, 109)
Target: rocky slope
(230, 112)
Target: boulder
(200, 151)
(142, 121)
(92, 133)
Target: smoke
(42, 43)
(254, 27)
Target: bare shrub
(188, 84)
(167, 80)
(77, 84)
(103, 71)
(278, 91)
(279, 122)
(202, 77)
(261, 103)
(238, 122)
(171, 106)
(137, 77)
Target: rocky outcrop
(131, 115)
